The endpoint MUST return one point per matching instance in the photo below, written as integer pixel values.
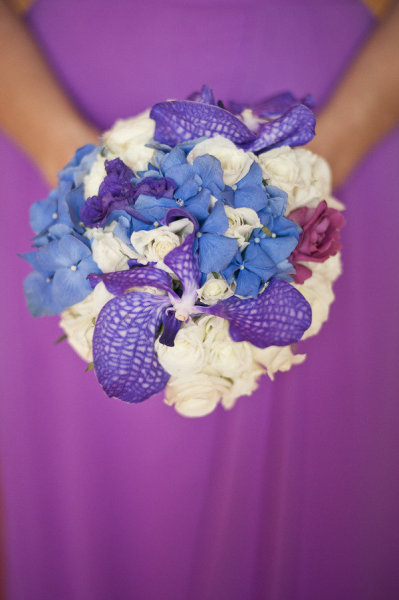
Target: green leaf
(89, 367)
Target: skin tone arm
(365, 105)
(34, 110)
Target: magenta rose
(320, 237)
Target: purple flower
(116, 192)
(125, 361)
(290, 122)
(162, 187)
(320, 237)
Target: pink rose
(319, 238)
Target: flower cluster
(191, 249)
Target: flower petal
(183, 261)
(172, 326)
(277, 317)
(118, 282)
(125, 361)
(294, 128)
(216, 252)
(177, 121)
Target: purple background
(293, 494)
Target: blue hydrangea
(63, 257)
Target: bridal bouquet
(191, 249)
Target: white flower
(128, 138)
(95, 177)
(299, 172)
(188, 353)
(214, 289)
(235, 161)
(78, 321)
(242, 222)
(251, 120)
(196, 395)
(155, 244)
(318, 291)
(277, 358)
(227, 358)
(280, 167)
(243, 385)
(109, 252)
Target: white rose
(280, 167)
(187, 355)
(244, 385)
(318, 291)
(78, 321)
(235, 162)
(109, 252)
(155, 244)
(196, 395)
(251, 120)
(95, 177)
(214, 290)
(277, 358)
(242, 222)
(299, 172)
(227, 358)
(316, 177)
(128, 138)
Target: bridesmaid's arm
(365, 105)
(34, 110)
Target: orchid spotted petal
(279, 316)
(119, 282)
(125, 360)
(177, 121)
(295, 128)
(205, 95)
(273, 106)
(183, 261)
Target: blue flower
(63, 203)
(59, 280)
(265, 257)
(194, 185)
(216, 250)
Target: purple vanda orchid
(125, 360)
(177, 121)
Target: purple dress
(293, 494)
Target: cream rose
(78, 321)
(235, 162)
(214, 290)
(95, 177)
(243, 385)
(318, 291)
(128, 138)
(242, 222)
(228, 358)
(299, 172)
(187, 355)
(109, 252)
(277, 358)
(196, 395)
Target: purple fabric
(293, 494)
